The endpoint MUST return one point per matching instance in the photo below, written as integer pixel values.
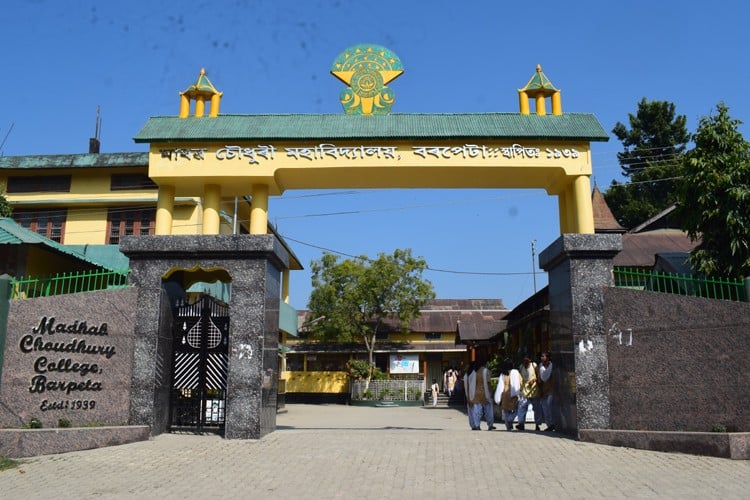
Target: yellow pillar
(541, 106)
(562, 209)
(259, 209)
(211, 200)
(184, 106)
(556, 103)
(164, 210)
(215, 99)
(285, 286)
(523, 102)
(570, 213)
(584, 209)
(200, 106)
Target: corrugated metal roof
(480, 330)
(380, 347)
(640, 249)
(13, 234)
(108, 256)
(464, 305)
(434, 321)
(87, 160)
(567, 127)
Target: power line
(433, 269)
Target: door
(199, 366)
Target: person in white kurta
(507, 392)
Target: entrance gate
(199, 365)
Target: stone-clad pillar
(254, 264)
(580, 267)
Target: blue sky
(63, 59)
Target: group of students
(450, 379)
(517, 388)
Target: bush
(358, 368)
(35, 423)
(7, 463)
(63, 422)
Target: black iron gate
(199, 366)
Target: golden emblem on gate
(366, 70)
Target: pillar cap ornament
(539, 84)
(201, 88)
(201, 91)
(539, 88)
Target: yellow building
(448, 334)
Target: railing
(389, 390)
(711, 288)
(66, 283)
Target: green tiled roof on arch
(566, 127)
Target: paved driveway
(331, 451)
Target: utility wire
(433, 269)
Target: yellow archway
(225, 156)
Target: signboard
(404, 363)
(69, 357)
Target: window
(48, 223)
(39, 183)
(326, 362)
(433, 336)
(295, 362)
(125, 221)
(121, 182)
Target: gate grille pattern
(200, 365)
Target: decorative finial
(539, 88)
(201, 91)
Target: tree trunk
(370, 355)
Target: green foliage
(715, 197)
(5, 210)
(651, 160)
(35, 423)
(7, 463)
(415, 394)
(493, 365)
(63, 422)
(655, 135)
(352, 299)
(358, 369)
(719, 428)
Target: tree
(5, 210)
(650, 160)
(353, 299)
(715, 197)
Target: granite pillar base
(580, 267)
(254, 264)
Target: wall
(45, 374)
(685, 366)
(85, 225)
(314, 382)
